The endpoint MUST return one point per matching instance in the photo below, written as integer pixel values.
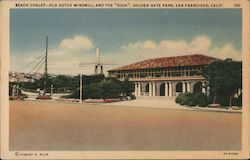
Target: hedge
(192, 99)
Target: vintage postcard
(125, 79)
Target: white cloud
(226, 51)
(66, 61)
(148, 44)
(63, 58)
(76, 43)
(56, 64)
(69, 63)
(174, 47)
(200, 44)
(167, 47)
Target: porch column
(174, 88)
(158, 89)
(135, 89)
(139, 89)
(166, 89)
(208, 90)
(170, 89)
(150, 89)
(188, 87)
(203, 90)
(192, 86)
(183, 87)
(153, 88)
(143, 88)
(239, 92)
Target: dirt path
(65, 126)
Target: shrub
(183, 99)
(180, 98)
(200, 99)
(132, 96)
(192, 99)
(237, 101)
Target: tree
(127, 87)
(111, 88)
(225, 78)
(99, 87)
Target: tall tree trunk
(214, 98)
(230, 101)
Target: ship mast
(46, 66)
(46, 58)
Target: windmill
(98, 68)
(98, 64)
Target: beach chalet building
(166, 76)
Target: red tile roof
(189, 60)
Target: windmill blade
(87, 63)
(98, 64)
(108, 64)
(86, 66)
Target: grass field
(66, 126)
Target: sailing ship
(42, 93)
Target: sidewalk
(164, 102)
(218, 109)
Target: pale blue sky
(112, 29)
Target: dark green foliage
(192, 99)
(91, 79)
(225, 78)
(182, 98)
(110, 88)
(132, 97)
(237, 101)
(74, 94)
(96, 86)
(127, 88)
(61, 81)
(104, 89)
(200, 99)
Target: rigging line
(39, 67)
(38, 63)
(41, 61)
(42, 56)
(32, 62)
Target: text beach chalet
(167, 76)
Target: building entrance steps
(157, 98)
(151, 102)
(163, 102)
